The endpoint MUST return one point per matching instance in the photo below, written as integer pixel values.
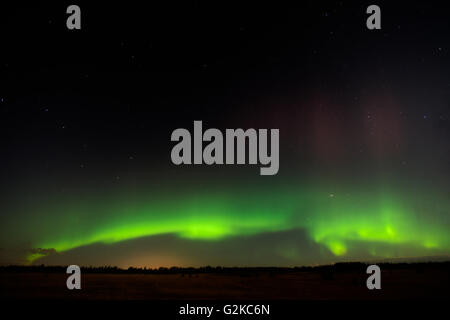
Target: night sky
(86, 118)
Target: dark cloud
(286, 248)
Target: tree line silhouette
(340, 267)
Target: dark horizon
(339, 266)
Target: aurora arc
(336, 221)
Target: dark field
(404, 281)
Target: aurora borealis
(363, 119)
(346, 223)
(334, 223)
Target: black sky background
(134, 73)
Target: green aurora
(383, 222)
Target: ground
(423, 281)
